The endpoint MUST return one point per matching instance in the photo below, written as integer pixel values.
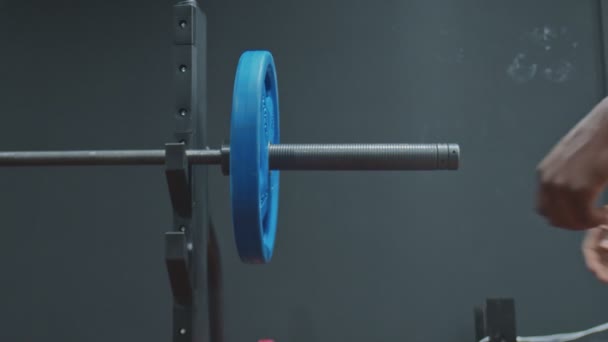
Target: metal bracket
(225, 164)
(177, 261)
(178, 178)
(178, 265)
(496, 320)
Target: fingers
(590, 252)
(599, 215)
(604, 243)
(570, 207)
(595, 252)
(554, 205)
(584, 211)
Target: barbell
(255, 156)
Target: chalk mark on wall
(547, 54)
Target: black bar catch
(177, 173)
(177, 260)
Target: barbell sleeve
(281, 157)
(340, 157)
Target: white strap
(565, 337)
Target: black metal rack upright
(192, 255)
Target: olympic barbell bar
(326, 157)
(255, 156)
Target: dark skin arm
(574, 174)
(571, 178)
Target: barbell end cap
(453, 156)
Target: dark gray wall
(360, 256)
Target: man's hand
(573, 175)
(595, 251)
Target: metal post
(187, 243)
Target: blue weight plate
(254, 189)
